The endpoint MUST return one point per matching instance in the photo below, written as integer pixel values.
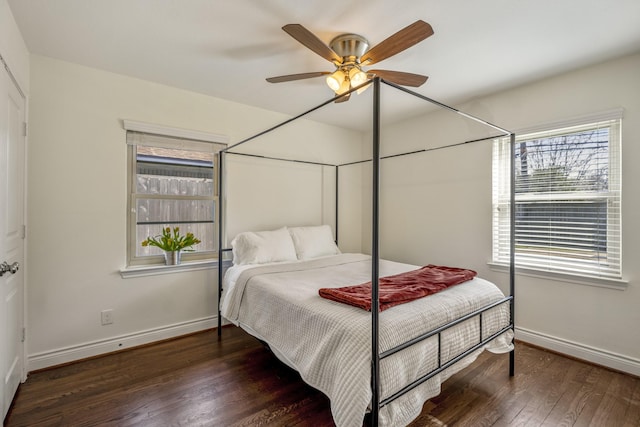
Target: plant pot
(172, 257)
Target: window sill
(617, 284)
(152, 270)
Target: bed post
(220, 252)
(375, 258)
(512, 245)
(336, 219)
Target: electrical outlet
(107, 317)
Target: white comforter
(329, 343)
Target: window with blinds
(172, 183)
(567, 200)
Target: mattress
(329, 343)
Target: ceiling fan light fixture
(335, 80)
(345, 86)
(357, 76)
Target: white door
(12, 189)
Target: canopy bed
(385, 360)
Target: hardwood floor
(199, 381)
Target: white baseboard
(580, 351)
(96, 348)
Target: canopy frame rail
(425, 150)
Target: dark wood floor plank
(595, 387)
(468, 389)
(532, 375)
(615, 402)
(573, 399)
(198, 380)
(547, 392)
(498, 395)
(633, 411)
(464, 389)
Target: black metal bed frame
(376, 356)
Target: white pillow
(313, 242)
(260, 247)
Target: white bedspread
(329, 343)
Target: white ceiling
(226, 48)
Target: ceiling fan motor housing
(350, 47)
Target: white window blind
(568, 200)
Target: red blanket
(400, 288)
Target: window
(172, 183)
(567, 199)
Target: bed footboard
(442, 366)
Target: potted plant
(172, 243)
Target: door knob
(6, 268)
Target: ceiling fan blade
(400, 78)
(343, 99)
(398, 42)
(301, 76)
(309, 40)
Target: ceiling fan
(350, 52)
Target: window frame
(153, 264)
(500, 197)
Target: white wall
(449, 219)
(295, 193)
(12, 47)
(77, 198)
